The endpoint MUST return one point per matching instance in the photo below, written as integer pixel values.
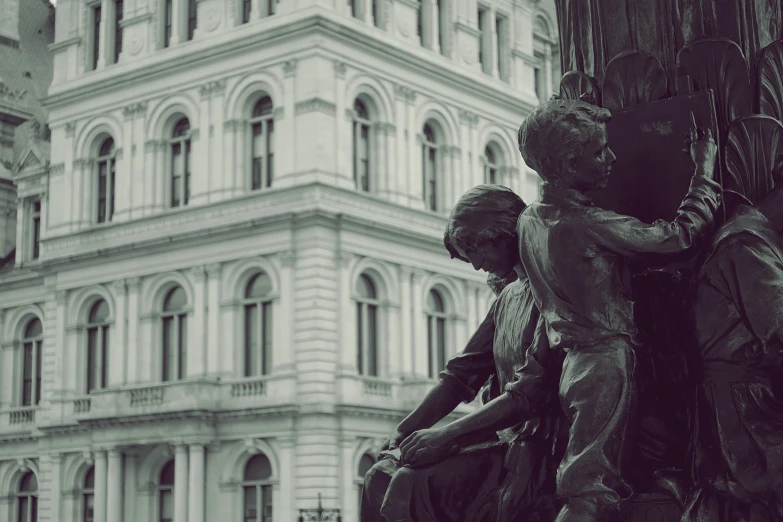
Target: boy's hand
(702, 147)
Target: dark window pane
(251, 340)
(183, 346)
(266, 330)
(258, 468)
(372, 340)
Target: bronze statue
(577, 259)
(495, 463)
(737, 323)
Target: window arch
(367, 326)
(431, 165)
(106, 177)
(27, 498)
(365, 463)
(362, 145)
(257, 490)
(262, 128)
(97, 346)
(32, 347)
(88, 496)
(166, 493)
(493, 163)
(436, 332)
(175, 334)
(180, 150)
(257, 303)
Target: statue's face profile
(494, 259)
(590, 169)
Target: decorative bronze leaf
(633, 78)
(718, 64)
(770, 67)
(577, 85)
(753, 151)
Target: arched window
(180, 163)
(257, 490)
(436, 333)
(97, 346)
(430, 166)
(366, 462)
(166, 493)
(175, 335)
(361, 146)
(367, 321)
(31, 363)
(258, 325)
(27, 498)
(88, 496)
(107, 164)
(262, 130)
(490, 166)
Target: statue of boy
(467, 471)
(577, 259)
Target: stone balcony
(18, 421)
(171, 398)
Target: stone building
(224, 280)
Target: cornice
(315, 21)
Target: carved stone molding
(468, 117)
(316, 105)
(278, 113)
(199, 273)
(340, 68)
(56, 169)
(70, 129)
(211, 89)
(120, 286)
(405, 93)
(289, 67)
(61, 296)
(133, 283)
(232, 125)
(350, 114)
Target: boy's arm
(459, 382)
(634, 239)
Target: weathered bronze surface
(631, 366)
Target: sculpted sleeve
(752, 276)
(467, 372)
(632, 238)
(537, 377)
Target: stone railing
(24, 415)
(147, 396)
(254, 388)
(82, 405)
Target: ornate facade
(229, 282)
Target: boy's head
(482, 229)
(565, 141)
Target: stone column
(343, 106)
(493, 44)
(420, 345)
(77, 187)
(103, 34)
(282, 351)
(547, 72)
(347, 326)
(149, 198)
(100, 486)
(405, 320)
(230, 128)
(217, 141)
(241, 168)
(64, 365)
(114, 502)
(196, 493)
(415, 179)
(287, 137)
(446, 193)
(287, 459)
(132, 351)
(434, 24)
(89, 193)
(196, 331)
(117, 343)
(201, 147)
(401, 156)
(179, 28)
(213, 319)
(470, 307)
(124, 168)
(181, 483)
(162, 179)
(349, 498)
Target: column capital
(287, 258)
(199, 273)
(61, 296)
(289, 67)
(340, 68)
(120, 286)
(214, 269)
(418, 275)
(133, 283)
